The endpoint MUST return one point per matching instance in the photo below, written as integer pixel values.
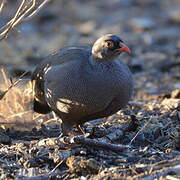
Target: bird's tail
(41, 108)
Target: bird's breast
(79, 88)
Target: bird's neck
(94, 60)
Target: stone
(141, 24)
(174, 14)
(82, 165)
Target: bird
(83, 83)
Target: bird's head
(108, 47)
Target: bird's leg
(65, 129)
(80, 129)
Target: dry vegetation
(16, 106)
(147, 131)
(26, 11)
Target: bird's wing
(63, 55)
(59, 57)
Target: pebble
(4, 139)
(177, 86)
(87, 28)
(141, 24)
(82, 165)
(153, 56)
(136, 65)
(171, 103)
(99, 131)
(9, 55)
(174, 14)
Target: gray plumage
(82, 83)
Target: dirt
(148, 128)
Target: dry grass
(16, 106)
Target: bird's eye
(109, 44)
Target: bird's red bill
(124, 48)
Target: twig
(140, 130)
(18, 114)
(4, 77)
(3, 93)
(26, 6)
(67, 141)
(25, 12)
(54, 169)
(5, 33)
(36, 11)
(17, 20)
(98, 144)
(2, 5)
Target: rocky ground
(148, 129)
